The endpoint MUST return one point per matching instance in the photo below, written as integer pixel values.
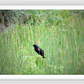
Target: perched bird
(39, 50)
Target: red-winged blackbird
(39, 50)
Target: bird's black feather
(39, 50)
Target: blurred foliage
(60, 33)
(34, 16)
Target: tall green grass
(60, 35)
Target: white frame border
(41, 7)
(41, 2)
(55, 4)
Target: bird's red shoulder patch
(38, 49)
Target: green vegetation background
(60, 33)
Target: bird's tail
(43, 57)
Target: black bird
(39, 50)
